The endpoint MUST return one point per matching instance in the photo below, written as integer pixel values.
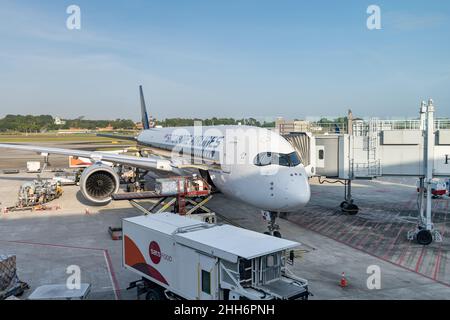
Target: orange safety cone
(343, 282)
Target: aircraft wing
(151, 162)
(116, 136)
(138, 162)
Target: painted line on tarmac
(381, 258)
(106, 255)
(438, 258)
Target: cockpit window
(282, 159)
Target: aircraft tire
(424, 237)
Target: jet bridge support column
(428, 160)
(347, 205)
(425, 232)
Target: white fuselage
(240, 155)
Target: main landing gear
(273, 228)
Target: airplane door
(320, 157)
(226, 168)
(207, 278)
(229, 155)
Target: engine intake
(98, 183)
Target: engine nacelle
(98, 183)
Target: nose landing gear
(273, 228)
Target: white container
(33, 166)
(192, 259)
(169, 186)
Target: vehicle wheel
(349, 208)
(154, 294)
(20, 293)
(277, 234)
(424, 237)
(352, 209)
(267, 232)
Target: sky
(233, 58)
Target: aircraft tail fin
(144, 115)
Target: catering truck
(182, 258)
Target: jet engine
(98, 183)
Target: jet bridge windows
(282, 159)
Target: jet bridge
(375, 148)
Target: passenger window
(206, 282)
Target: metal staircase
(372, 167)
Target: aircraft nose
(298, 192)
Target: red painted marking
(438, 264)
(52, 245)
(364, 239)
(357, 233)
(438, 258)
(348, 226)
(383, 259)
(419, 261)
(105, 251)
(333, 224)
(314, 222)
(381, 237)
(318, 223)
(402, 255)
(113, 274)
(327, 221)
(323, 224)
(391, 246)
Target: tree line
(43, 123)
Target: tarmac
(47, 242)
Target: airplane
(253, 165)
